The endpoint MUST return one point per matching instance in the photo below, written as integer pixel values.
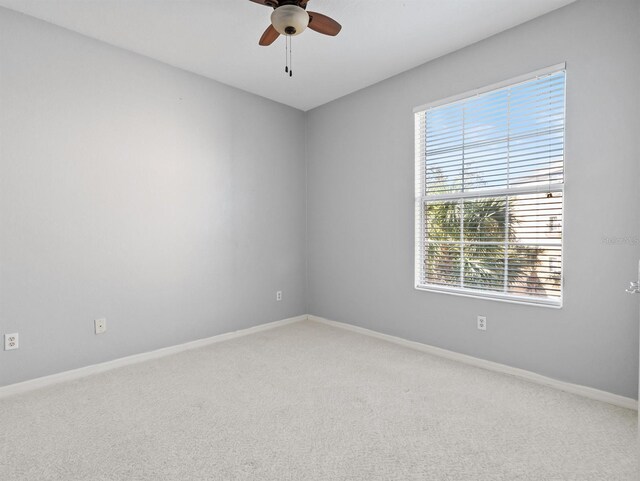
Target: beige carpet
(311, 402)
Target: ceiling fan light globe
(289, 19)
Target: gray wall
(361, 200)
(135, 191)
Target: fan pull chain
(286, 56)
(290, 59)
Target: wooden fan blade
(267, 3)
(323, 24)
(268, 37)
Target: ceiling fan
(290, 17)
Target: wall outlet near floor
(11, 341)
(101, 325)
(278, 295)
(482, 323)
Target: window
(489, 191)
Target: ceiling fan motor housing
(289, 19)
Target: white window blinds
(489, 192)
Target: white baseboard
(73, 374)
(585, 391)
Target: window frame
(421, 198)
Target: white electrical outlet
(278, 295)
(482, 323)
(11, 341)
(101, 325)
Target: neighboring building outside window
(490, 191)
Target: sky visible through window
(468, 141)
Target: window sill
(492, 296)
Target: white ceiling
(219, 38)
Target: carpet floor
(308, 402)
